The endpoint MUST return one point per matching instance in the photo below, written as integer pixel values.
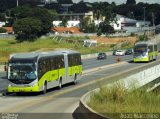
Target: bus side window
(69, 60)
(52, 64)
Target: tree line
(30, 21)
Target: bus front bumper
(34, 88)
(141, 59)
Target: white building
(69, 23)
(127, 24)
(143, 23)
(122, 23)
(73, 18)
(2, 24)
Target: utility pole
(17, 3)
(154, 28)
(144, 15)
(153, 22)
(9, 13)
(144, 19)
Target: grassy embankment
(111, 102)
(9, 46)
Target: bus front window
(20, 71)
(140, 49)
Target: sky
(120, 1)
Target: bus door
(66, 65)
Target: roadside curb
(86, 111)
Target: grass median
(9, 46)
(113, 101)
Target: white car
(120, 52)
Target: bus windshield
(24, 71)
(140, 48)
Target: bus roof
(143, 42)
(35, 55)
(67, 51)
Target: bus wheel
(60, 83)
(45, 88)
(75, 79)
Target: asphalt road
(92, 63)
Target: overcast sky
(119, 1)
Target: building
(74, 19)
(2, 23)
(48, 1)
(9, 30)
(127, 24)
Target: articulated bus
(39, 71)
(145, 52)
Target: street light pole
(154, 27)
(144, 21)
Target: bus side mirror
(5, 67)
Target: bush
(99, 33)
(2, 30)
(132, 34)
(143, 38)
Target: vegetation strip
(112, 101)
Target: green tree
(131, 2)
(80, 7)
(143, 38)
(65, 1)
(105, 28)
(10, 22)
(2, 30)
(64, 23)
(87, 26)
(45, 17)
(8, 4)
(2, 17)
(21, 12)
(27, 29)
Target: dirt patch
(108, 40)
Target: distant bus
(39, 71)
(145, 52)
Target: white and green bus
(39, 71)
(145, 52)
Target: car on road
(102, 55)
(114, 52)
(129, 52)
(120, 52)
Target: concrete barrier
(86, 111)
(136, 77)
